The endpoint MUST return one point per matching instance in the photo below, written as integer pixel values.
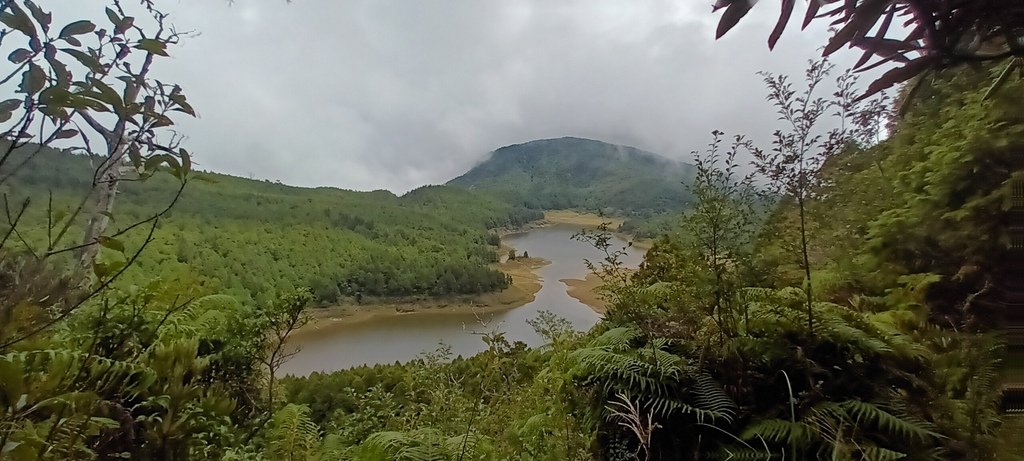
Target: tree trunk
(807, 267)
(103, 206)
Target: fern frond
(711, 401)
(292, 434)
(871, 453)
(780, 431)
(864, 413)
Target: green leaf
(183, 105)
(55, 96)
(40, 16)
(153, 46)
(135, 156)
(102, 270)
(86, 59)
(77, 28)
(65, 134)
(112, 243)
(186, 160)
(10, 104)
(113, 17)
(19, 55)
(10, 446)
(60, 71)
(33, 80)
(106, 93)
(154, 161)
(5, 115)
(18, 20)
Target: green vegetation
(255, 240)
(574, 173)
(713, 357)
(716, 348)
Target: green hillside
(255, 239)
(581, 173)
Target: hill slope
(581, 173)
(253, 239)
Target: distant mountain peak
(573, 172)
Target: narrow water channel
(401, 338)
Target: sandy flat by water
(525, 285)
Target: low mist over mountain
(581, 173)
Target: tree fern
(424, 444)
(291, 435)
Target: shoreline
(587, 291)
(593, 220)
(525, 285)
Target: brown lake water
(400, 338)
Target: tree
(280, 320)
(798, 151)
(722, 217)
(67, 95)
(934, 35)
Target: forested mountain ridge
(572, 172)
(255, 239)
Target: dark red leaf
(863, 19)
(736, 11)
(719, 4)
(899, 75)
(784, 15)
(812, 10)
(879, 45)
(19, 55)
(916, 34)
(863, 59)
(884, 28)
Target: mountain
(581, 173)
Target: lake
(403, 337)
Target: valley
(820, 268)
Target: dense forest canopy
(256, 240)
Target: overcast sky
(396, 94)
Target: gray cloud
(396, 94)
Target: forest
(341, 244)
(841, 297)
